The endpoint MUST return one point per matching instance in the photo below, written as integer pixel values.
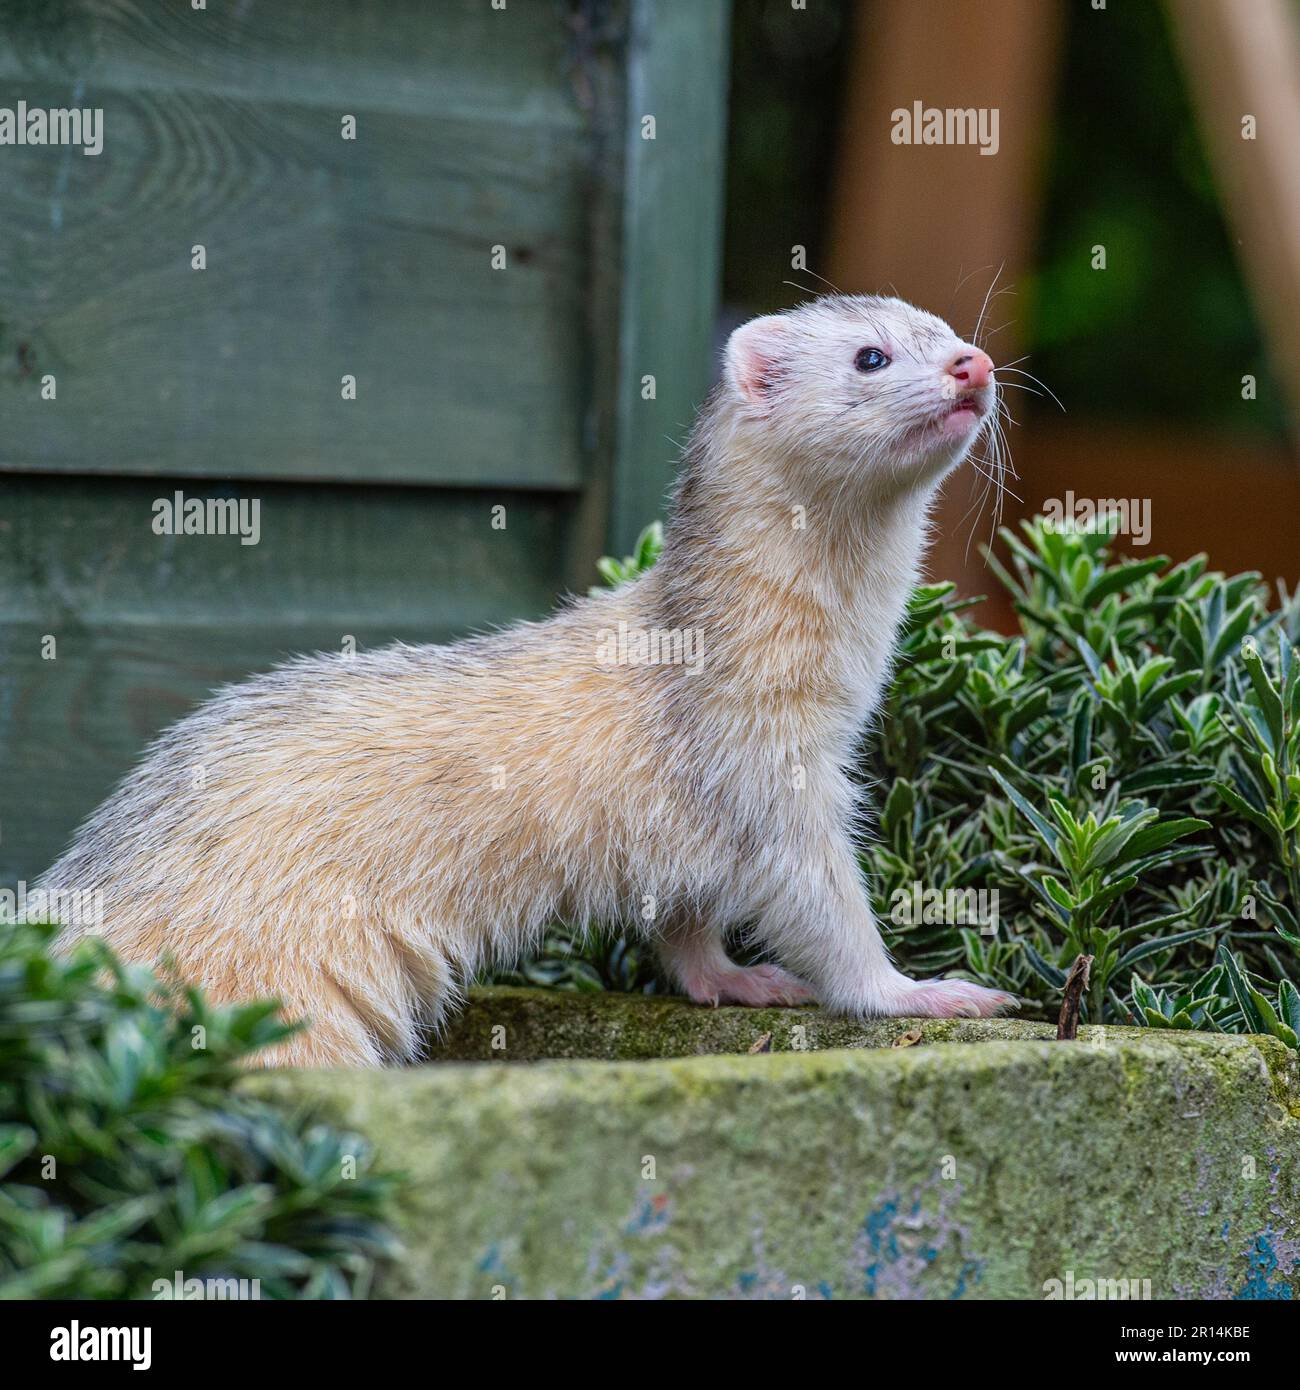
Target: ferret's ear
(755, 356)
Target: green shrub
(128, 1154)
(1124, 773)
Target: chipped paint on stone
(903, 1240)
(1268, 1278)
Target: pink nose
(971, 368)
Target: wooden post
(1243, 65)
(672, 240)
(919, 218)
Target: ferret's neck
(795, 600)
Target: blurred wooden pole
(1243, 60)
(918, 218)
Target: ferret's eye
(870, 360)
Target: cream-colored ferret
(366, 833)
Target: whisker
(976, 506)
(1003, 489)
(1037, 382)
(993, 332)
(952, 302)
(989, 296)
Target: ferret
(359, 836)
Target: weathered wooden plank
(672, 211)
(449, 57)
(370, 257)
(357, 553)
(325, 258)
(146, 625)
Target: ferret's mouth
(954, 419)
(960, 418)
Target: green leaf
(1241, 991)
(1155, 837)
(1288, 998)
(1269, 702)
(1243, 808)
(1051, 973)
(1045, 831)
(897, 814)
(1272, 1024)
(1229, 639)
(16, 1142)
(1081, 736)
(1119, 577)
(1090, 658)
(1162, 943)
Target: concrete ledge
(939, 1169)
(531, 1025)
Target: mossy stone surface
(530, 1025)
(982, 1160)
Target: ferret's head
(859, 383)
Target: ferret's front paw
(948, 999)
(753, 986)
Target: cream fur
(369, 832)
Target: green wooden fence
(499, 259)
